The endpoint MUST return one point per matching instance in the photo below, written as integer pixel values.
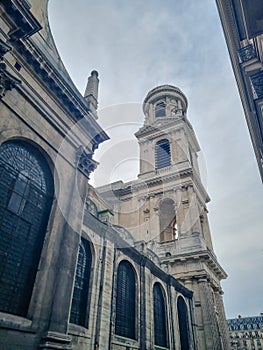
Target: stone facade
(65, 248)
(242, 23)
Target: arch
(26, 193)
(125, 301)
(160, 109)
(168, 221)
(183, 323)
(79, 304)
(162, 154)
(160, 316)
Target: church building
(125, 266)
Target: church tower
(166, 208)
(168, 163)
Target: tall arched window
(183, 323)
(126, 301)
(160, 109)
(168, 224)
(160, 318)
(79, 314)
(162, 154)
(26, 192)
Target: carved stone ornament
(4, 48)
(85, 163)
(7, 80)
(247, 53)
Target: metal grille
(183, 323)
(78, 314)
(162, 154)
(25, 201)
(125, 303)
(160, 320)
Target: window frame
(125, 330)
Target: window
(160, 109)
(125, 301)
(160, 319)
(79, 314)
(162, 154)
(168, 223)
(183, 323)
(26, 192)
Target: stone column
(221, 317)
(72, 206)
(171, 316)
(142, 299)
(212, 337)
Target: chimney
(91, 92)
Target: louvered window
(79, 313)
(26, 191)
(162, 154)
(183, 323)
(160, 320)
(126, 301)
(160, 109)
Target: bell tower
(166, 208)
(176, 201)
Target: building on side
(246, 333)
(73, 273)
(242, 22)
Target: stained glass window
(125, 302)
(160, 319)
(162, 154)
(183, 323)
(79, 314)
(26, 192)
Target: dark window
(162, 154)
(125, 302)
(168, 224)
(160, 109)
(160, 320)
(79, 314)
(183, 323)
(26, 191)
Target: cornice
(203, 255)
(22, 22)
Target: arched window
(126, 301)
(183, 323)
(160, 319)
(79, 314)
(26, 192)
(168, 224)
(162, 154)
(160, 109)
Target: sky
(137, 45)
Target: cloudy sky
(137, 45)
